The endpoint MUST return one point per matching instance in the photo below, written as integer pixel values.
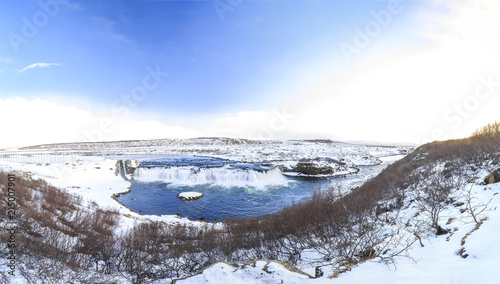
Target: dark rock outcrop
(493, 177)
(313, 169)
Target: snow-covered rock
(320, 167)
(190, 195)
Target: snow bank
(247, 272)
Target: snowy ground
(438, 261)
(232, 149)
(251, 272)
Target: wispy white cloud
(39, 65)
(107, 29)
(73, 6)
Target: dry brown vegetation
(57, 228)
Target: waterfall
(224, 176)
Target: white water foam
(223, 176)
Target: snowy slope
(248, 272)
(438, 261)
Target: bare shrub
(475, 209)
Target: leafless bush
(475, 209)
(436, 189)
(57, 235)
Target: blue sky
(214, 65)
(222, 57)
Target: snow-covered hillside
(469, 253)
